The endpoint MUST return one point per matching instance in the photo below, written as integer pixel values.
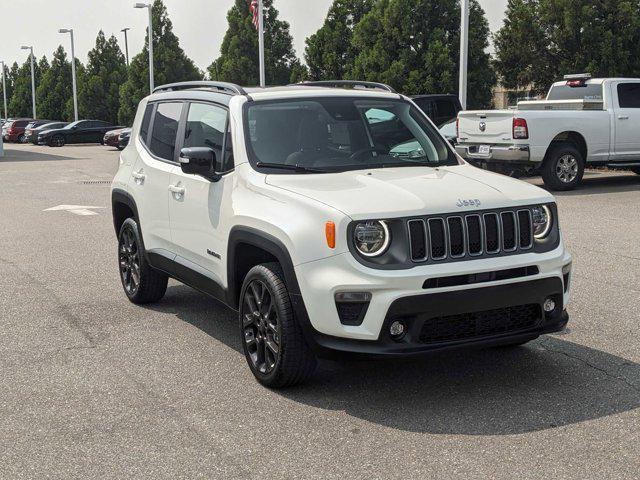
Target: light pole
(73, 72)
(148, 6)
(4, 90)
(33, 80)
(464, 51)
(126, 44)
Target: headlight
(372, 238)
(542, 221)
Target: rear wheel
(563, 167)
(57, 141)
(272, 339)
(22, 138)
(141, 283)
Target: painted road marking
(81, 210)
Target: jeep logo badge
(472, 202)
(483, 126)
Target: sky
(199, 24)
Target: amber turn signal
(330, 232)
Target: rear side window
(446, 108)
(165, 130)
(629, 95)
(146, 121)
(427, 106)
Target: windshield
(337, 134)
(73, 124)
(585, 91)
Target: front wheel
(272, 339)
(57, 141)
(563, 167)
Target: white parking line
(75, 209)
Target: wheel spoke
(273, 347)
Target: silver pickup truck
(583, 122)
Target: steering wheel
(357, 153)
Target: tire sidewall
(284, 310)
(131, 225)
(549, 172)
(56, 143)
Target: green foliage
(413, 45)
(238, 61)
(542, 40)
(106, 71)
(20, 104)
(54, 90)
(170, 64)
(330, 53)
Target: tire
(272, 339)
(141, 283)
(563, 167)
(57, 141)
(22, 139)
(636, 170)
(120, 148)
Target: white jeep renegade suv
(335, 221)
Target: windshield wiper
(293, 168)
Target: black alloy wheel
(261, 327)
(129, 257)
(57, 141)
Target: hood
(409, 191)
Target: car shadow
(548, 383)
(31, 156)
(600, 183)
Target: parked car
(123, 139)
(32, 134)
(13, 131)
(111, 138)
(334, 221)
(583, 122)
(33, 126)
(82, 131)
(440, 109)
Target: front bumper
(404, 295)
(497, 153)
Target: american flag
(253, 7)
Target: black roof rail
(223, 87)
(347, 84)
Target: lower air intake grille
(479, 324)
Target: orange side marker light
(330, 232)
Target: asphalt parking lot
(95, 387)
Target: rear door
(627, 121)
(195, 203)
(157, 160)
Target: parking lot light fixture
(33, 79)
(73, 72)
(148, 7)
(4, 90)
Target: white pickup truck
(583, 121)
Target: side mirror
(199, 161)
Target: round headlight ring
(547, 226)
(384, 243)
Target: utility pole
(149, 7)
(4, 90)
(126, 44)
(261, 42)
(464, 51)
(33, 80)
(73, 72)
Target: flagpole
(261, 42)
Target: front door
(156, 147)
(195, 204)
(627, 121)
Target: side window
(446, 109)
(629, 95)
(427, 106)
(146, 120)
(165, 130)
(206, 127)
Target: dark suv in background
(441, 109)
(82, 131)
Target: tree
(238, 60)
(542, 40)
(54, 90)
(105, 72)
(413, 45)
(330, 52)
(21, 103)
(170, 64)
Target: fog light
(549, 305)
(396, 330)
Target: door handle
(139, 177)
(178, 191)
(623, 117)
